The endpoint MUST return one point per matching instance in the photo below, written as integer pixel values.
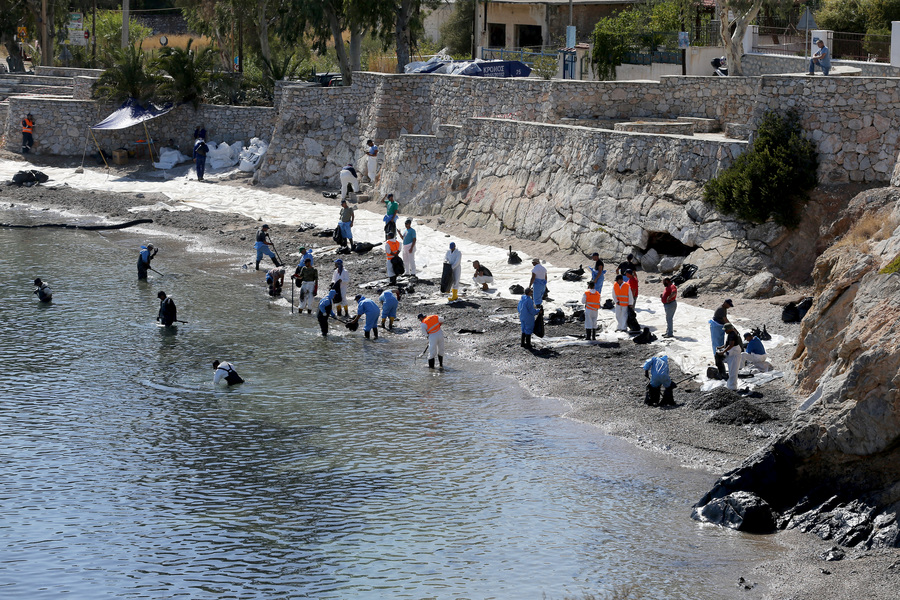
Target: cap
(38, 281)
(343, 202)
(357, 297)
(421, 316)
(748, 335)
(265, 227)
(597, 254)
(161, 295)
(302, 248)
(536, 260)
(452, 245)
(409, 221)
(728, 326)
(630, 271)
(729, 303)
(338, 262)
(149, 246)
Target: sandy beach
(603, 383)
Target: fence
(526, 55)
(785, 40)
(861, 46)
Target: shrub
(771, 179)
(545, 66)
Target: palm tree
(127, 77)
(190, 73)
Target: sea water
(343, 468)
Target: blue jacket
(325, 305)
(659, 371)
(755, 346)
(527, 313)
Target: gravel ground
(602, 383)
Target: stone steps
(738, 131)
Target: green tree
(109, 35)
(771, 179)
(456, 32)
(842, 15)
(127, 77)
(190, 73)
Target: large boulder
(763, 285)
(743, 511)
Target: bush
(772, 178)
(545, 66)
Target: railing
(861, 46)
(784, 40)
(526, 55)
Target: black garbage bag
(557, 317)
(513, 258)
(539, 324)
(790, 313)
(687, 272)
(338, 237)
(804, 306)
(397, 265)
(765, 335)
(632, 321)
(608, 305)
(516, 289)
(574, 274)
(362, 247)
(689, 291)
(645, 337)
(29, 178)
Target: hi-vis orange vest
(27, 125)
(393, 249)
(620, 291)
(432, 324)
(593, 300)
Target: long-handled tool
(155, 271)
(293, 283)
(268, 237)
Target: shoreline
(603, 386)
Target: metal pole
(46, 53)
(94, 35)
(125, 20)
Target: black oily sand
(715, 399)
(740, 412)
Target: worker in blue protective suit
(367, 307)
(326, 311)
(144, 258)
(527, 314)
(389, 302)
(262, 246)
(656, 369)
(304, 255)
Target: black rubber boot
(430, 363)
(522, 341)
(394, 280)
(366, 333)
(528, 341)
(257, 265)
(375, 332)
(441, 361)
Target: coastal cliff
(836, 472)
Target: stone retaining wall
(34, 80)
(772, 64)
(67, 72)
(851, 120)
(62, 124)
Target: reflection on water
(342, 469)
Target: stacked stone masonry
(62, 125)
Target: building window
(529, 35)
(497, 35)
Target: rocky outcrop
(837, 471)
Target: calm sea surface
(342, 469)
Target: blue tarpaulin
(132, 113)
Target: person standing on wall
(669, 299)
(200, 152)
(454, 259)
(591, 301)
(409, 249)
(371, 160)
(538, 281)
(27, 133)
(431, 326)
(144, 258)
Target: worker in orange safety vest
(431, 326)
(591, 301)
(27, 131)
(623, 299)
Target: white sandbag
(169, 157)
(251, 156)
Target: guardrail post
(895, 43)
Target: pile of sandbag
(251, 156)
(169, 157)
(223, 155)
